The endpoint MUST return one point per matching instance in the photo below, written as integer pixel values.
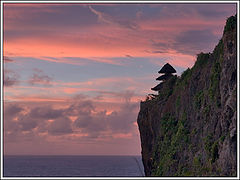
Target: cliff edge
(190, 128)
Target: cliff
(190, 128)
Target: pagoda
(166, 71)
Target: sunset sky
(74, 74)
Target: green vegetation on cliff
(189, 129)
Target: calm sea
(72, 166)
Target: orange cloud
(70, 90)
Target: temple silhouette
(167, 72)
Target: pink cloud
(70, 90)
(98, 113)
(94, 47)
(112, 37)
(80, 120)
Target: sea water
(72, 166)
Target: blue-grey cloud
(40, 78)
(189, 42)
(45, 112)
(26, 124)
(60, 126)
(10, 78)
(195, 41)
(213, 11)
(12, 110)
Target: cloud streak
(103, 17)
(7, 59)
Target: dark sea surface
(72, 166)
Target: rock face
(190, 128)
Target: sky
(75, 74)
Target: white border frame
(124, 2)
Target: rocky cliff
(190, 128)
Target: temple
(167, 71)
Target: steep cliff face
(190, 128)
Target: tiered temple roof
(157, 87)
(164, 77)
(167, 71)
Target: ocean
(72, 166)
